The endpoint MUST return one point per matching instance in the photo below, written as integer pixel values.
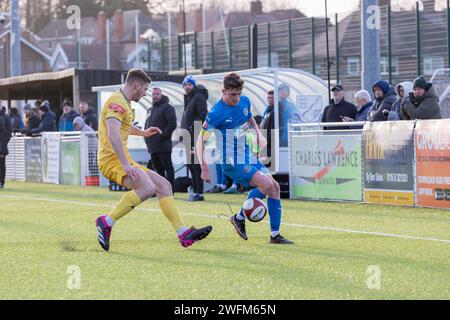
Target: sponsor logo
(116, 108)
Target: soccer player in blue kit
(231, 119)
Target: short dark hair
(44, 108)
(233, 81)
(68, 103)
(83, 102)
(137, 75)
(270, 92)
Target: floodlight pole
(15, 55)
(184, 38)
(328, 52)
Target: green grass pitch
(46, 229)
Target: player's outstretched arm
(150, 132)
(200, 148)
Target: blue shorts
(243, 173)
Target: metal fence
(412, 42)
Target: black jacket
(5, 133)
(334, 113)
(47, 124)
(381, 104)
(195, 109)
(90, 118)
(163, 116)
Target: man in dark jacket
(338, 108)
(384, 98)
(66, 120)
(195, 110)
(423, 102)
(88, 115)
(5, 136)
(163, 116)
(48, 120)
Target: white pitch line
(380, 234)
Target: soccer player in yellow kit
(116, 164)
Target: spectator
(384, 95)
(423, 102)
(162, 115)
(16, 120)
(31, 118)
(80, 125)
(268, 124)
(287, 113)
(195, 110)
(338, 108)
(402, 90)
(48, 119)
(88, 115)
(5, 136)
(363, 105)
(66, 121)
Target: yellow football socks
(126, 204)
(171, 212)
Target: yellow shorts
(112, 169)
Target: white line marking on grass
(380, 234)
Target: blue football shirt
(230, 125)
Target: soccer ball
(254, 209)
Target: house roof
(129, 25)
(95, 55)
(58, 29)
(238, 19)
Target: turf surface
(46, 229)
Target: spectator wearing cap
(339, 108)
(31, 117)
(195, 110)
(384, 97)
(66, 120)
(423, 102)
(48, 120)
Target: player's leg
(163, 188)
(266, 184)
(140, 190)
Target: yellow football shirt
(119, 108)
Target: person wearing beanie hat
(189, 79)
(384, 96)
(422, 83)
(195, 110)
(423, 102)
(66, 120)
